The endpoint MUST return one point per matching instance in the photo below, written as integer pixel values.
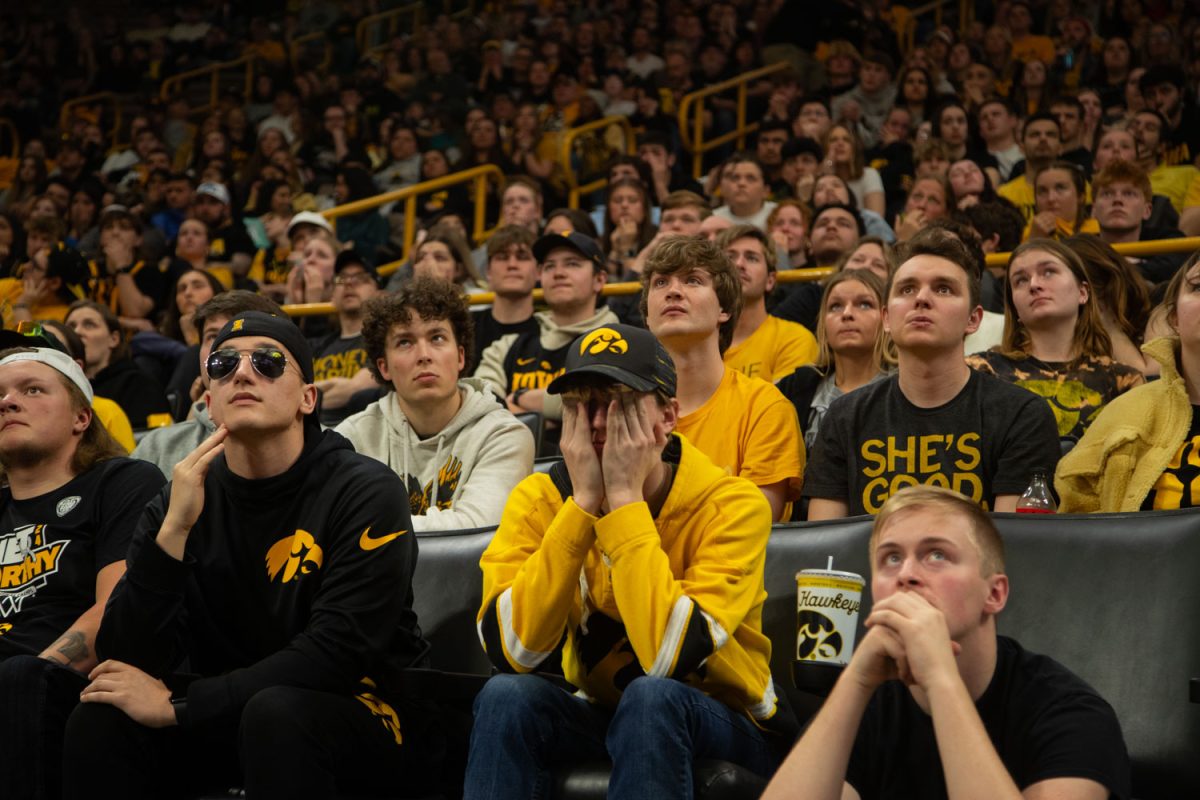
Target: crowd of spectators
(896, 152)
(1069, 122)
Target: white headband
(59, 361)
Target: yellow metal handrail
(692, 130)
(67, 113)
(363, 32)
(564, 155)
(966, 15)
(465, 12)
(296, 47)
(174, 84)
(478, 175)
(14, 134)
(1150, 248)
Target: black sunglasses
(270, 362)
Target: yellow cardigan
(1127, 447)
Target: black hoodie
(303, 579)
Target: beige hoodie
(459, 478)
(551, 336)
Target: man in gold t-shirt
(763, 346)
(691, 300)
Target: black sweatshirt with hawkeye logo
(303, 579)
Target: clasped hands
(908, 640)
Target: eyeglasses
(356, 279)
(600, 394)
(270, 362)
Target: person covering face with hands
(668, 550)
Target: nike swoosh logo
(367, 543)
(523, 361)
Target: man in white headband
(68, 507)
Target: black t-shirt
(335, 356)
(1179, 484)
(1044, 721)
(987, 441)
(229, 240)
(137, 393)
(488, 330)
(1181, 146)
(52, 546)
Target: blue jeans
(525, 727)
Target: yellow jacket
(1127, 447)
(678, 596)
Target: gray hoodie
(166, 447)
(458, 478)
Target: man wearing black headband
(279, 566)
(644, 560)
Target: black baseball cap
(351, 258)
(281, 329)
(628, 355)
(800, 145)
(581, 243)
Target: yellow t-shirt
(748, 428)
(1019, 192)
(1030, 47)
(1065, 228)
(1174, 183)
(774, 350)
(114, 421)
(1192, 198)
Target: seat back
(447, 593)
(533, 420)
(1110, 596)
(1114, 597)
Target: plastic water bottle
(1037, 498)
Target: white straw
(830, 566)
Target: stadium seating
(1112, 597)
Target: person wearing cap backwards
(519, 367)
(231, 251)
(340, 358)
(691, 300)
(272, 266)
(278, 566)
(645, 560)
(69, 503)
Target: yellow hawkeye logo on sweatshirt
(294, 555)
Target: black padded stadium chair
(1111, 596)
(533, 420)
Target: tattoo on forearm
(73, 645)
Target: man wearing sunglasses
(643, 559)
(278, 565)
(69, 503)
(166, 447)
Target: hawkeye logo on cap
(237, 325)
(603, 340)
